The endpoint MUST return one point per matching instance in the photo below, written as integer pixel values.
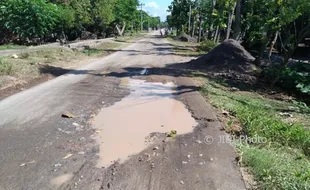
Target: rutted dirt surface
(41, 150)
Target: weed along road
(127, 121)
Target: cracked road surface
(123, 107)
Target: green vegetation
(5, 67)
(11, 46)
(283, 161)
(28, 65)
(102, 49)
(38, 21)
(262, 25)
(206, 45)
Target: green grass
(276, 163)
(101, 49)
(5, 67)
(11, 46)
(277, 168)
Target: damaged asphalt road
(40, 149)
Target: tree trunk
(230, 19)
(237, 27)
(199, 30)
(189, 19)
(216, 34)
(193, 28)
(121, 31)
(260, 54)
(273, 43)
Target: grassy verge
(28, 66)
(190, 48)
(283, 160)
(11, 46)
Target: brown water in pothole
(150, 107)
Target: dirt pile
(229, 56)
(228, 60)
(185, 38)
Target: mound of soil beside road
(229, 59)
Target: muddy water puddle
(149, 107)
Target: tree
(124, 12)
(28, 19)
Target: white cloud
(152, 4)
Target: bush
(5, 67)
(28, 19)
(207, 45)
(293, 79)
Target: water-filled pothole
(149, 107)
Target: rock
(283, 114)
(188, 156)
(184, 162)
(81, 153)
(14, 56)
(198, 141)
(182, 182)
(200, 155)
(211, 159)
(153, 165)
(58, 165)
(156, 148)
(224, 112)
(75, 124)
(68, 156)
(67, 114)
(234, 89)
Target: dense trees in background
(25, 20)
(263, 27)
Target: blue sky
(156, 7)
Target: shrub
(207, 45)
(5, 67)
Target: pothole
(149, 107)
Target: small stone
(75, 124)
(182, 182)
(201, 163)
(176, 170)
(140, 159)
(156, 148)
(14, 56)
(67, 114)
(58, 165)
(200, 155)
(184, 162)
(211, 159)
(198, 141)
(188, 156)
(113, 173)
(82, 139)
(81, 153)
(153, 165)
